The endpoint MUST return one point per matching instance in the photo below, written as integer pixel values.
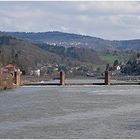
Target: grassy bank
(112, 58)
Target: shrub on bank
(6, 83)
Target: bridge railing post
(107, 78)
(62, 78)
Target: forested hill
(29, 56)
(23, 54)
(75, 40)
(73, 53)
(61, 39)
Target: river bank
(6, 83)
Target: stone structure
(1, 72)
(62, 78)
(17, 77)
(107, 78)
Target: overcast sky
(108, 20)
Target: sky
(112, 20)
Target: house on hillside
(35, 72)
(118, 67)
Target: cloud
(111, 7)
(109, 20)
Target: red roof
(9, 66)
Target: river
(70, 112)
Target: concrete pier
(62, 78)
(107, 78)
(17, 77)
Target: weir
(107, 81)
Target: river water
(70, 112)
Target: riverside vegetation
(6, 83)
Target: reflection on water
(70, 112)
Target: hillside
(73, 53)
(61, 39)
(132, 67)
(128, 44)
(29, 56)
(23, 54)
(75, 40)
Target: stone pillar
(1, 72)
(17, 77)
(62, 78)
(107, 78)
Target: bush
(6, 83)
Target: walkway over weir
(65, 82)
